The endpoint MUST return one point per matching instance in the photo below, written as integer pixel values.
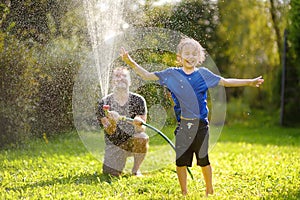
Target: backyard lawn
(249, 162)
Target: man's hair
(123, 69)
(196, 44)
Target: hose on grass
(163, 136)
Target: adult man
(123, 138)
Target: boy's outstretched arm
(136, 67)
(232, 82)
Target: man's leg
(114, 160)
(140, 148)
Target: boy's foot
(209, 192)
(184, 193)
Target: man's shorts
(115, 156)
(192, 138)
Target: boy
(189, 85)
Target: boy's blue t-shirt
(177, 108)
(189, 89)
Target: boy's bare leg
(207, 174)
(182, 177)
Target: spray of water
(104, 20)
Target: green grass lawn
(248, 163)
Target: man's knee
(140, 143)
(111, 171)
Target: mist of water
(104, 21)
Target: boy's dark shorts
(192, 138)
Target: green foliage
(248, 45)
(37, 78)
(61, 60)
(292, 82)
(29, 19)
(197, 19)
(155, 94)
(237, 110)
(294, 18)
(249, 162)
(19, 74)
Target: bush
(60, 61)
(18, 75)
(237, 110)
(36, 88)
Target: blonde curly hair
(196, 44)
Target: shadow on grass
(77, 179)
(290, 196)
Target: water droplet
(125, 26)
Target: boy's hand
(256, 82)
(143, 73)
(125, 56)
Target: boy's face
(189, 56)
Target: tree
(197, 19)
(291, 108)
(18, 88)
(36, 73)
(30, 18)
(250, 45)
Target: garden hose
(162, 135)
(124, 118)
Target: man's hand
(138, 121)
(138, 124)
(110, 121)
(109, 125)
(113, 115)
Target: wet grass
(249, 162)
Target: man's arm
(150, 76)
(232, 82)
